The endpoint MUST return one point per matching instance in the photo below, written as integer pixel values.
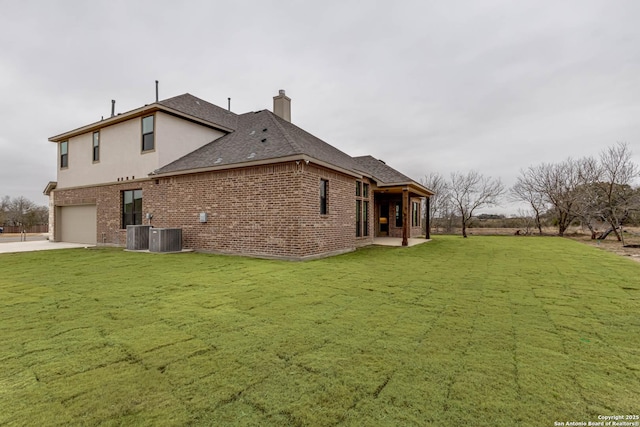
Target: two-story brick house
(252, 183)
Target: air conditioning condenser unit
(165, 240)
(138, 237)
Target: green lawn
(485, 331)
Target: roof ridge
(286, 135)
(199, 108)
(199, 99)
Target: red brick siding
(269, 210)
(335, 231)
(108, 201)
(250, 210)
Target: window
(64, 154)
(131, 207)
(147, 133)
(398, 214)
(96, 146)
(323, 196)
(415, 214)
(358, 218)
(365, 217)
(362, 209)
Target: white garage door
(77, 224)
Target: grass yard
(485, 331)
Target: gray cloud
(427, 86)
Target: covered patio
(399, 213)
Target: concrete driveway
(38, 245)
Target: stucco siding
(176, 137)
(121, 156)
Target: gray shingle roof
(258, 136)
(262, 135)
(380, 171)
(202, 109)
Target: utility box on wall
(138, 237)
(165, 240)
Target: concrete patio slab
(397, 241)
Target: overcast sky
(427, 86)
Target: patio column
(427, 219)
(405, 216)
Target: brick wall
(250, 210)
(108, 201)
(335, 231)
(271, 210)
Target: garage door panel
(78, 224)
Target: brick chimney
(282, 106)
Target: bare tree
(558, 184)
(586, 203)
(527, 219)
(36, 215)
(617, 173)
(438, 202)
(22, 212)
(471, 191)
(18, 210)
(4, 207)
(526, 189)
(588, 189)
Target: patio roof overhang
(397, 188)
(404, 191)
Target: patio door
(384, 220)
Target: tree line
(22, 212)
(591, 190)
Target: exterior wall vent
(165, 240)
(138, 237)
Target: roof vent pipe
(229, 103)
(113, 107)
(156, 91)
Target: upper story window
(365, 190)
(323, 196)
(64, 154)
(147, 133)
(96, 146)
(358, 188)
